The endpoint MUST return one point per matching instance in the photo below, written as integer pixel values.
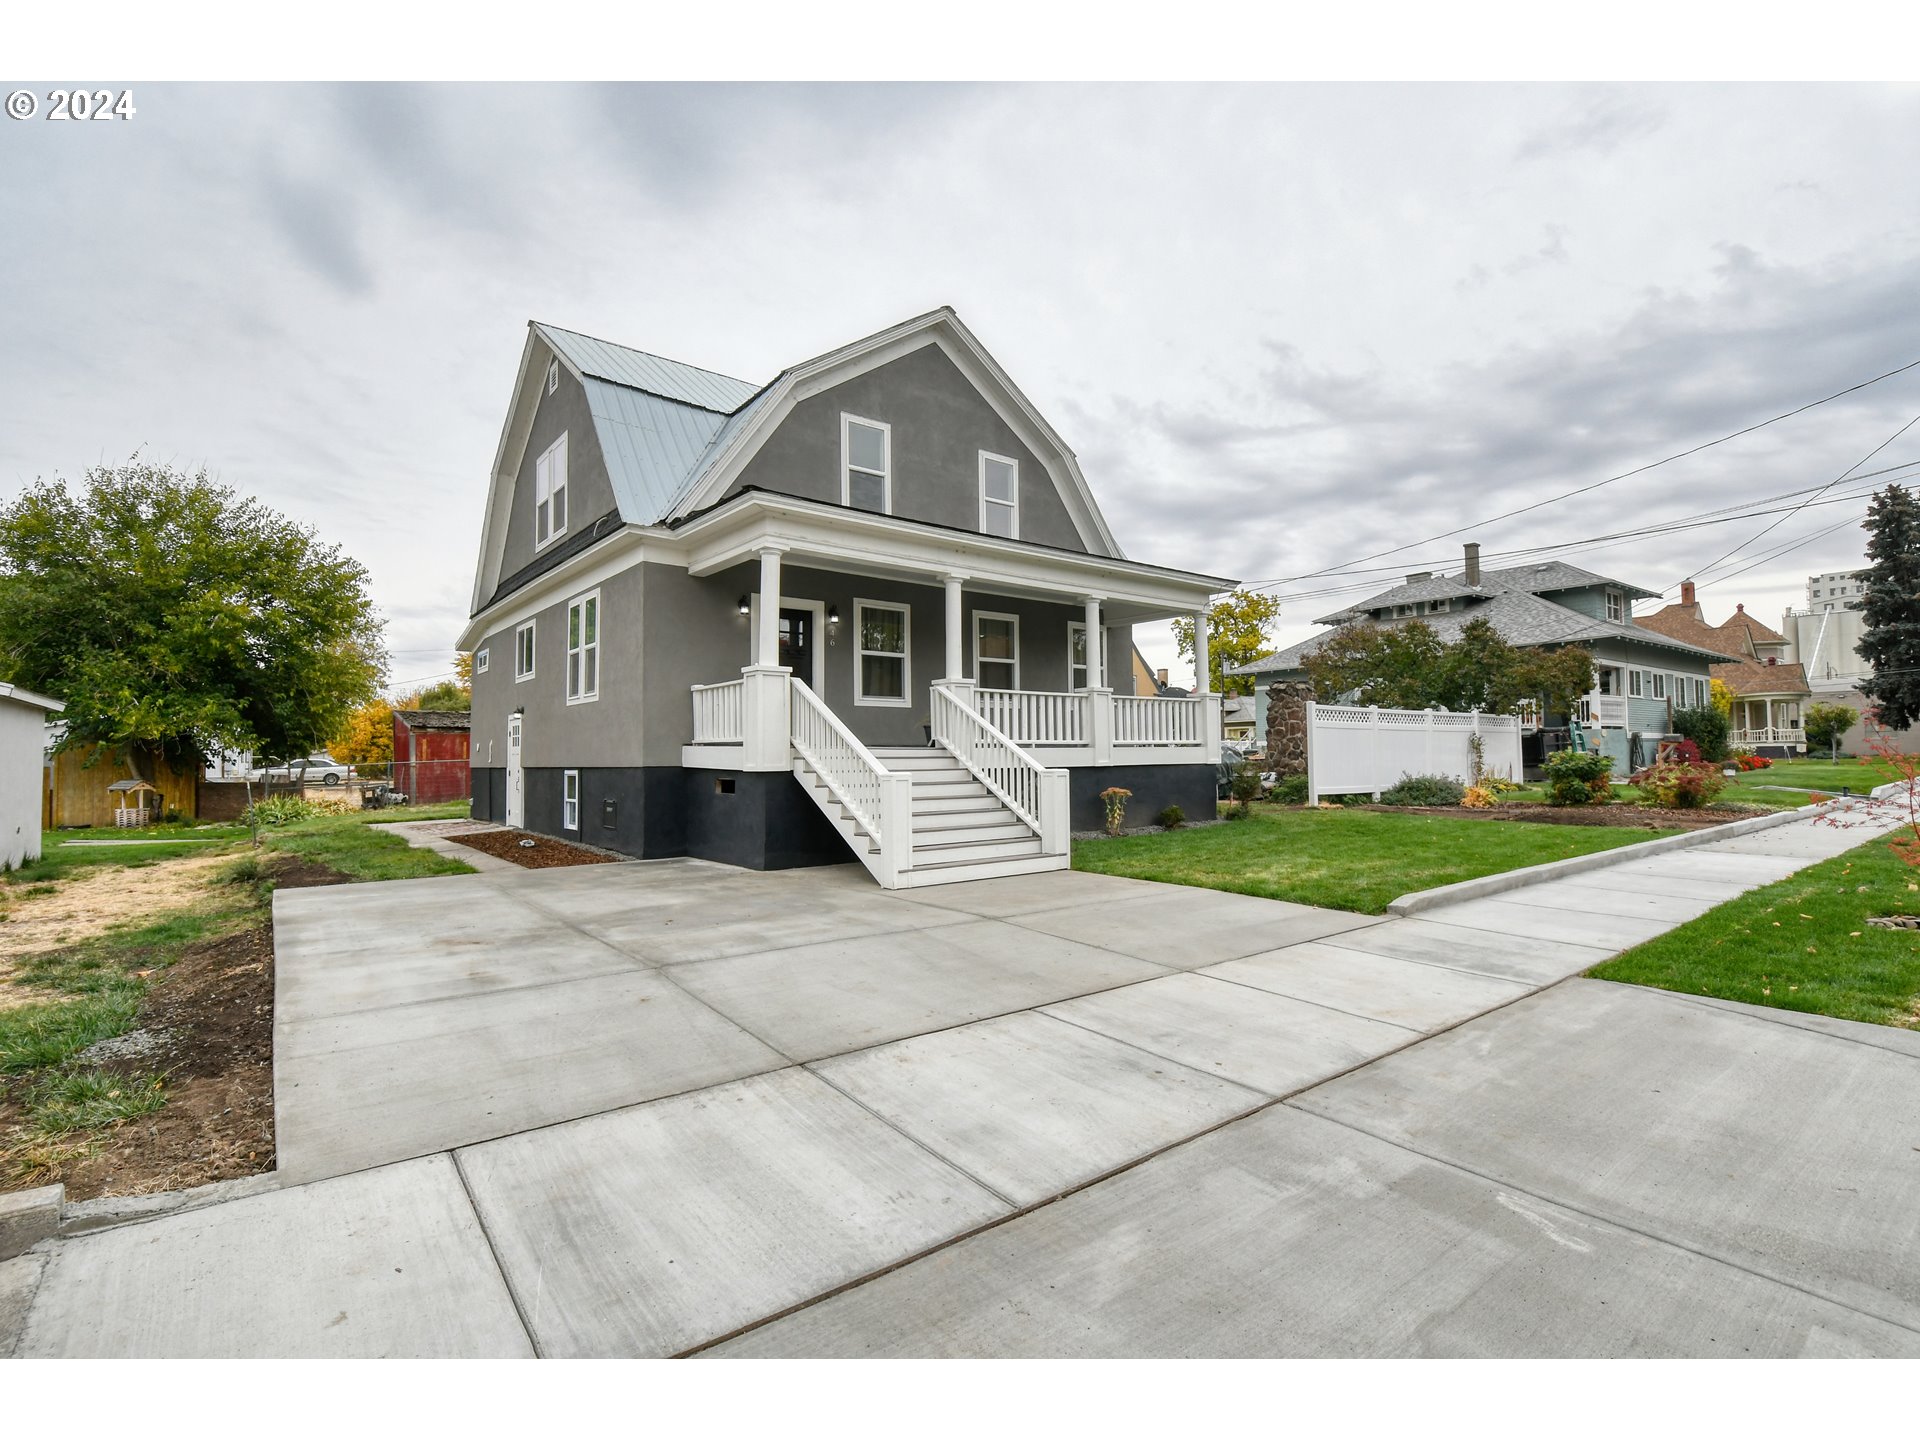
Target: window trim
(1073, 625)
(1616, 607)
(1012, 505)
(531, 648)
(570, 781)
(1659, 685)
(1636, 683)
(904, 656)
(480, 658)
(980, 615)
(544, 492)
(579, 602)
(847, 467)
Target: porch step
(952, 872)
(975, 850)
(917, 760)
(943, 803)
(951, 829)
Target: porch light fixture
(833, 614)
(746, 605)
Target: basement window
(570, 800)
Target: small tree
(1236, 634)
(1720, 697)
(1890, 609)
(367, 737)
(1707, 727)
(1390, 665)
(1826, 723)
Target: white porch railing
(1768, 735)
(1036, 717)
(1035, 793)
(1609, 712)
(720, 713)
(879, 800)
(1159, 721)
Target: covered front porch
(1767, 723)
(869, 638)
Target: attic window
(999, 496)
(553, 376)
(866, 464)
(1615, 605)
(550, 493)
(1438, 607)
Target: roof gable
(654, 374)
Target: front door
(516, 776)
(796, 643)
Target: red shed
(430, 755)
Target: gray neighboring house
(1641, 676)
(26, 736)
(841, 613)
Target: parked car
(317, 769)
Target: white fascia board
(600, 562)
(30, 697)
(943, 328)
(811, 533)
(514, 431)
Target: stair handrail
(1035, 793)
(851, 772)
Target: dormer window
(1616, 606)
(866, 464)
(1438, 607)
(999, 496)
(550, 494)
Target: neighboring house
(23, 773)
(1145, 681)
(847, 610)
(1238, 715)
(1641, 677)
(430, 755)
(1769, 691)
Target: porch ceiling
(855, 542)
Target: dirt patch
(1629, 817)
(206, 1027)
(541, 854)
(92, 902)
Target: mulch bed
(206, 1027)
(543, 854)
(1632, 817)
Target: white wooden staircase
(925, 816)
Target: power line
(1611, 479)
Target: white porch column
(1099, 693)
(1096, 650)
(1202, 669)
(766, 639)
(766, 713)
(956, 628)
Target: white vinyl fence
(1362, 749)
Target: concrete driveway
(654, 1109)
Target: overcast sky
(1284, 327)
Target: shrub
(1291, 790)
(1246, 785)
(280, 810)
(1173, 817)
(1747, 760)
(1680, 785)
(1424, 790)
(1686, 752)
(1579, 777)
(1479, 797)
(1115, 798)
(1707, 727)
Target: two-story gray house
(1640, 675)
(865, 609)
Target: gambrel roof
(674, 436)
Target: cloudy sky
(1285, 327)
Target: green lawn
(59, 856)
(354, 844)
(1345, 859)
(1800, 944)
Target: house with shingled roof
(866, 610)
(1769, 690)
(1640, 677)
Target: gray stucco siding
(940, 424)
(589, 492)
(600, 732)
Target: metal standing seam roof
(669, 379)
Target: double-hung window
(550, 493)
(523, 652)
(881, 634)
(1635, 683)
(480, 658)
(570, 800)
(1077, 655)
(1616, 606)
(1659, 685)
(999, 496)
(866, 464)
(996, 650)
(583, 648)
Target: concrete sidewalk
(640, 1109)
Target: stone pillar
(1287, 726)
